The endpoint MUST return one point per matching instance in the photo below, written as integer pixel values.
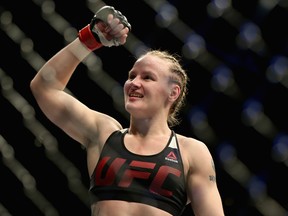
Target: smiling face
(148, 90)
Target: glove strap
(86, 37)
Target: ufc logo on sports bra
(129, 174)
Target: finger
(122, 39)
(113, 23)
(117, 29)
(122, 32)
(109, 18)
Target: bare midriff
(124, 208)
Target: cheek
(164, 93)
(126, 86)
(163, 89)
(159, 94)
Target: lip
(131, 98)
(135, 95)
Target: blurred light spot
(251, 112)
(166, 15)
(217, 7)
(256, 188)
(26, 45)
(200, 126)
(278, 69)
(253, 116)
(194, 46)
(48, 7)
(197, 117)
(6, 18)
(70, 34)
(6, 83)
(226, 153)
(280, 148)
(222, 79)
(268, 4)
(249, 35)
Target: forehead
(152, 63)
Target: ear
(174, 92)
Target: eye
(147, 77)
(131, 76)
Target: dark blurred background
(235, 53)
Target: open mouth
(135, 95)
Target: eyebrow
(143, 72)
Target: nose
(136, 81)
(132, 84)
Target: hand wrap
(92, 36)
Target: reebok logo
(171, 157)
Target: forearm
(56, 73)
(108, 27)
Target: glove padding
(100, 19)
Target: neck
(148, 127)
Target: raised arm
(107, 28)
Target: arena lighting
(23, 175)
(254, 116)
(277, 71)
(280, 148)
(255, 185)
(43, 138)
(224, 81)
(201, 127)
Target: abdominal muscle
(124, 208)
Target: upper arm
(74, 118)
(201, 180)
(77, 120)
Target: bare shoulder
(190, 144)
(195, 153)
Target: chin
(133, 110)
(130, 108)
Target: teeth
(135, 95)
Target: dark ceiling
(236, 56)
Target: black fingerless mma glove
(92, 36)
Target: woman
(145, 169)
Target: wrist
(79, 50)
(87, 38)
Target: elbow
(37, 87)
(33, 86)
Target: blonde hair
(180, 77)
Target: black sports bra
(156, 180)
